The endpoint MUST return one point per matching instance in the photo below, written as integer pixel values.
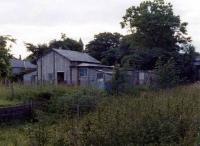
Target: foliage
(156, 32)
(104, 47)
(64, 43)
(66, 105)
(36, 51)
(5, 56)
(146, 121)
(39, 135)
(118, 81)
(167, 73)
(33, 92)
(154, 25)
(67, 44)
(162, 118)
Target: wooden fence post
(12, 89)
(78, 111)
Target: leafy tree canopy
(155, 31)
(64, 43)
(168, 74)
(104, 47)
(67, 44)
(5, 57)
(36, 51)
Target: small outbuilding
(141, 77)
(20, 68)
(60, 66)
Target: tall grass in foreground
(30, 92)
(4, 94)
(164, 118)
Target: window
(83, 72)
(60, 77)
(99, 75)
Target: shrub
(167, 73)
(38, 135)
(118, 82)
(84, 99)
(162, 118)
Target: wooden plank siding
(19, 112)
(53, 63)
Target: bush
(84, 99)
(155, 119)
(118, 83)
(167, 73)
(38, 135)
(162, 118)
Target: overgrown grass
(163, 118)
(21, 93)
(4, 100)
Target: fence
(80, 110)
(19, 112)
(25, 111)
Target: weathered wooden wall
(19, 112)
(146, 78)
(51, 64)
(91, 79)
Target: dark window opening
(99, 75)
(60, 77)
(83, 72)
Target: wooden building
(72, 68)
(141, 77)
(21, 68)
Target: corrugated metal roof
(76, 56)
(16, 63)
(110, 72)
(94, 65)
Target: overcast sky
(39, 21)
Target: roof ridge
(76, 55)
(69, 50)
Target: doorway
(60, 77)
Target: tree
(155, 31)
(118, 81)
(81, 44)
(5, 56)
(104, 47)
(167, 73)
(64, 43)
(67, 44)
(36, 51)
(110, 57)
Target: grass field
(148, 118)
(4, 97)
(5, 102)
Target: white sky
(39, 21)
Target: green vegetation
(77, 116)
(168, 75)
(162, 118)
(5, 42)
(64, 42)
(4, 97)
(105, 47)
(5, 102)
